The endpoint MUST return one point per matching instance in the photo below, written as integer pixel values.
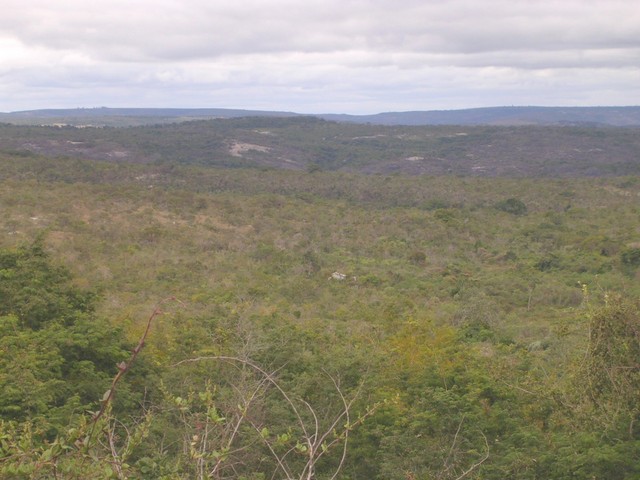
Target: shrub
(631, 257)
(512, 206)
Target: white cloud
(355, 55)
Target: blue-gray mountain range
(576, 116)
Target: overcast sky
(318, 56)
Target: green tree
(56, 356)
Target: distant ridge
(313, 144)
(126, 117)
(149, 112)
(508, 116)
(576, 116)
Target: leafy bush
(57, 356)
(631, 257)
(512, 206)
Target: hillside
(304, 143)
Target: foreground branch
(123, 367)
(316, 441)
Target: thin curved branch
(453, 444)
(281, 464)
(123, 366)
(477, 464)
(316, 440)
(347, 406)
(237, 425)
(266, 375)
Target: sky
(318, 56)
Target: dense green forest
(186, 320)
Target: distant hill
(128, 117)
(309, 143)
(497, 116)
(576, 116)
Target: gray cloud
(359, 56)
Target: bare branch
(281, 464)
(347, 407)
(267, 376)
(453, 444)
(123, 367)
(477, 464)
(315, 437)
